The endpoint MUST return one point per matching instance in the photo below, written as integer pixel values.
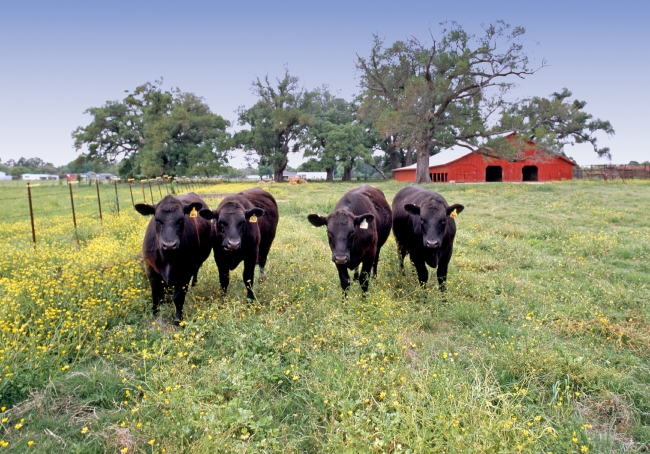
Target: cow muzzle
(169, 245)
(232, 245)
(340, 259)
(431, 244)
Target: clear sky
(59, 58)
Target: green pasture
(543, 343)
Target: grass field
(542, 346)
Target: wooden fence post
(150, 191)
(144, 196)
(31, 213)
(159, 190)
(74, 216)
(117, 199)
(131, 191)
(99, 201)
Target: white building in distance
(39, 176)
(312, 175)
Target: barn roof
(444, 157)
(456, 152)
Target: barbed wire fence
(93, 199)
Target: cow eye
(158, 221)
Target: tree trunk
(409, 157)
(278, 168)
(330, 175)
(422, 170)
(393, 154)
(347, 174)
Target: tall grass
(542, 344)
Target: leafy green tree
(275, 121)
(156, 132)
(384, 76)
(443, 92)
(336, 135)
(311, 165)
(555, 122)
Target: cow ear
(413, 209)
(254, 212)
(208, 214)
(194, 206)
(454, 210)
(317, 220)
(145, 209)
(364, 217)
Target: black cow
(357, 229)
(424, 228)
(176, 244)
(244, 229)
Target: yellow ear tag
(363, 225)
(253, 219)
(194, 213)
(453, 214)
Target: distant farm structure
(458, 164)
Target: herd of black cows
(181, 235)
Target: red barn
(461, 165)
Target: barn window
(439, 177)
(529, 173)
(493, 173)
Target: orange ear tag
(253, 219)
(363, 225)
(453, 214)
(194, 213)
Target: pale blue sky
(59, 58)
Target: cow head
(433, 217)
(342, 227)
(169, 215)
(231, 219)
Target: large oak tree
(155, 132)
(275, 122)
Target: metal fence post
(99, 201)
(74, 216)
(31, 213)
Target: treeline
(416, 99)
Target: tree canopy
(275, 121)
(156, 132)
(555, 122)
(443, 93)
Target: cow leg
(157, 289)
(224, 280)
(344, 277)
(179, 301)
(401, 251)
(195, 278)
(441, 272)
(249, 277)
(356, 274)
(375, 263)
(366, 269)
(262, 264)
(423, 272)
